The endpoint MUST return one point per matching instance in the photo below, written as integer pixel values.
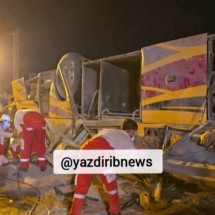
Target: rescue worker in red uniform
(31, 125)
(5, 135)
(108, 139)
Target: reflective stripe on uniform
(112, 192)
(79, 196)
(29, 129)
(41, 159)
(24, 160)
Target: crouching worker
(31, 125)
(5, 135)
(107, 139)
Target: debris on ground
(49, 193)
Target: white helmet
(5, 117)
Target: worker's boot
(42, 163)
(42, 169)
(24, 166)
(24, 169)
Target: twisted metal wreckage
(168, 88)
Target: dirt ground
(44, 193)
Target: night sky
(93, 28)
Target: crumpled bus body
(167, 88)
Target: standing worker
(107, 139)
(5, 136)
(31, 125)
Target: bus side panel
(174, 81)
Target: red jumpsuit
(4, 138)
(33, 134)
(106, 139)
(14, 148)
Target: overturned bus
(168, 88)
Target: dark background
(93, 28)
